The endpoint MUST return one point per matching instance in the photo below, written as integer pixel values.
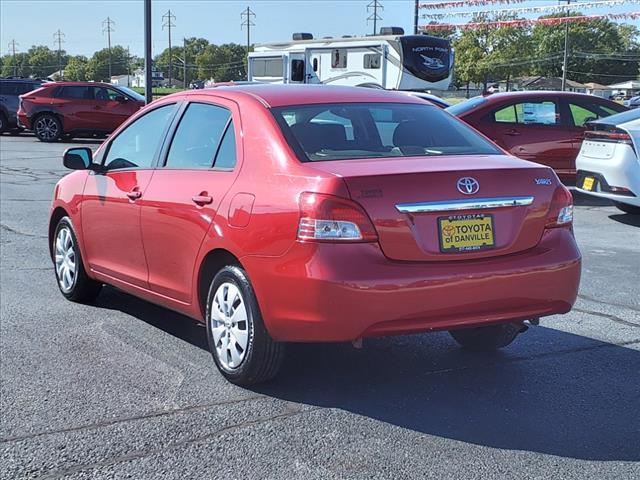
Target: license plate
(588, 183)
(466, 233)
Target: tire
(47, 128)
(626, 208)
(487, 338)
(4, 125)
(241, 347)
(71, 276)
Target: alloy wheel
(47, 128)
(229, 325)
(65, 259)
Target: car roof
(283, 95)
(80, 84)
(500, 96)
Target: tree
(448, 33)
(76, 69)
(98, 66)
(222, 62)
(42, 61)
(599, 36)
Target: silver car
(609, 162)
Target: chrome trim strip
(454, 205)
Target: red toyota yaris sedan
(311, 213)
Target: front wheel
(626, 208)
(47, 128)
(241, 347)
(487, 338)
(73, 281)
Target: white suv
(609, 162)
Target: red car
(67, 109)
(307, 213)
(544, 127)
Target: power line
(107, 26)
(59, 38)
(167, 22)
(374, 6)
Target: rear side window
(540, 113)
(198, 136)
(137, 144)
(361, 130)
(584, 112)
(76, 92)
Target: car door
(532, 129)
(184, 195)
(578, 112)
(112, 108)
(110, 209)
(76, 106)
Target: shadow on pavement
(550, 392)
(583, 200)
(627, 219)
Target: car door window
(528, 113)
(584, 112)
(105, 94)
(198, 136)
(76, 92)
(226, 157)
(137, 144)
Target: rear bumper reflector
(454, 205)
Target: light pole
(566, 49)
(148, 92)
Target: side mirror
(121, 98)
(77, 158)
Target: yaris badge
(468, 185)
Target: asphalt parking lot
(124, 389)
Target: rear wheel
(626, 208)
(3, 123)
(47, 128)
(241, 347)
(491, 337)
(72, 278)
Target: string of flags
(466, 3)
(520, 22)
(549, 9)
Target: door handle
(97, 107)
(512, 133)
(202, 199)
(134, 194)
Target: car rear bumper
(622, 170)
(23, 120)
(328, 292)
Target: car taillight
(615, 135)
(561, 209)
(327, 218)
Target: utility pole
(374, 6)
(246, 16)
(107, 26)
(12, 46)
(128, 67)
(566, 49)
(184, 63)
(167, 20)
(415, 17)
(59, 39)
(148, 66)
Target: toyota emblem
(468, 185)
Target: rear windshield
(465, 106)
(369, 130)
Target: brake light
(328, 218)
(616, 136)
(561, 209)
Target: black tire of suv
(263, 357)
(626, 208)
(3, 123)
(487, 338)
(84, 289)
(54, 121)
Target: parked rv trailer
(393, 62)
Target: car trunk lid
(420, 213)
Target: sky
(33, 22)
